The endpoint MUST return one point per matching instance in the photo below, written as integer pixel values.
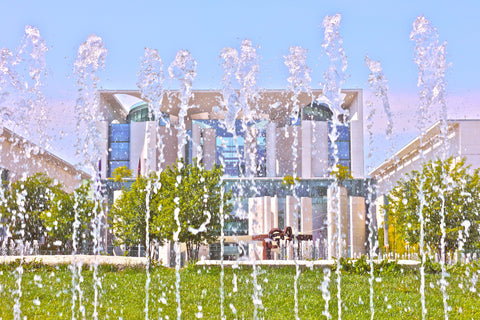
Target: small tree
(121, 173)
(341, 172)
(191, 195)
(25, 202)
(448, 180)
(64, 211)
(129, 215)
(188, 190)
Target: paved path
(301, 263)
(83, 259)
(142, 262)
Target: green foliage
(121, 173)
(124, 294)
(448, 180)
(129, 215)
(24, 204)
(191, 197)
(288, 180)
(38, 209)
(59, 220)
(184, 194)
(341, 172)
(362, 266)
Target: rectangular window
(119, 146)
(120, 151)
(119, 132)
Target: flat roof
(209, 101)
(412, 148)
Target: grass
(47, 294)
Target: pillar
(209, 147)
(196, 141)
(306, 152)
(357, 226)
(271, 140)
(251, 152)
(307, 218)
(319, 149)
(255, 215)
(337, 208)
(290, 214)
(268, 214)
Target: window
(119, 146)
(343, 145)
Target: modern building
(20, 157)
(462, 141)
(257, 152)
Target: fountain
(293, 160)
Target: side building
(257, 151)
(20, 157)
(462, 142)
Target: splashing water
(183, 69)
(299, 82)
(90, 59)
(151, 86)
(334, 77)
(238, 101)
(430, 57)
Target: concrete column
(167, 153)
(319, 149)
(356, 136)
(274, 210)
(306, 153)
(196, 141)
(307, 218)
(337, 207)
(137, 141)
(271, 140)
(209, 148)
(268, 214)
(251, 152)
(382, 220)
(255, 216)
(357, 226)
(290, 214)
(255, 226)
(149, 147)
(103, 131)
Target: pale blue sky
(378, 28)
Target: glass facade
(343, 145)
(119, 146)
(230, 148)
(317, 112)
(139, 113)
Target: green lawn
(47, 294)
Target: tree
(184, 193)
(121, 173)
(38, 209)
(24, 204)
(129, 215)
(449, 180)
(341, 172)
(71, 213)
(195, 194)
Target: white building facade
(461, 141)
(257, 152)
